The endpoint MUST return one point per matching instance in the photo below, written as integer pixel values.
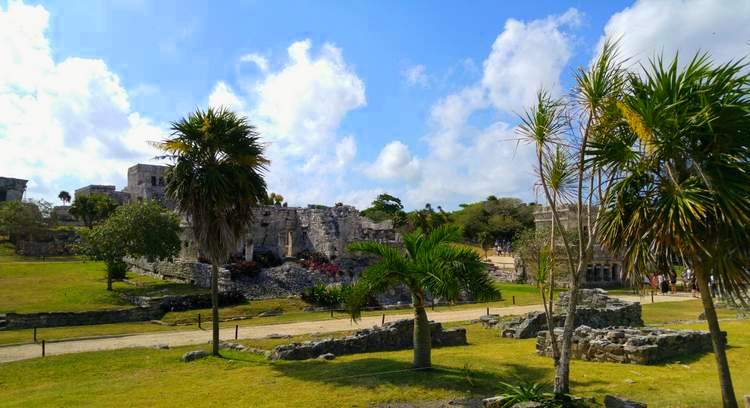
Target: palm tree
(215, 180)
(683, 189)
(427, 265)
(64, 196)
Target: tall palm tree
(215, 180)
(683, 189)
(426, 265)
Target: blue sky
(415, 98)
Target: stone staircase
(503, 268)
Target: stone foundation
(629, 345)
(191, 272)
(396, 335)
(58, 319)
(595, 309)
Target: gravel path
(184, 338)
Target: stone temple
(12, 189)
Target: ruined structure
(146, 182)
(117, 196)
(396, 335)
(595, 309)
(604, 270)
(629, 345)
(12, 189)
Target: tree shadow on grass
(373, 372)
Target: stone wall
(191, 272)
(396, 335)
(287, 231)
(595, 309)
(629, 345)
(51, 243)
(56, 319)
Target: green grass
(30, 286)
(147, 377)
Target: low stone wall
(57, 319)
(396, 335)
(595, 309)
(178, 303)
(192, 272)
(629, 345)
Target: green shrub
(117, 270)
(333, 295)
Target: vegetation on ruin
(93, 208)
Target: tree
(92, 208)
(386, 207)
(428, 265)
(273, 199)
(501, 218)
(215, 180)
(64, 196)
(485, 241)
(21, 220)
(569, 129)
(683, 186)
(136, 230)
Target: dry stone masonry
(629, 345)
(595, 309)
(396, 335)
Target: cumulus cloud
(223, 96)
(526, 56)
(298, 110)
(62, 122)
(260, 61)
(466, 161)
(648, 28)
(416, 75)
(395, 161)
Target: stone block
(611, 401)
(193, 355)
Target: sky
(419, 99)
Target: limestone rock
(327, 356)
(494, 402)
(611, 401)
(193, 355)
(396, 335)
(272, 312)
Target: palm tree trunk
(215, 308)
(725, 377)
(549, 309)
(422, 335)
(562, 371)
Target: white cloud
(469, 162)
(648, 28)
(298, 110)
(526, 56)
(416, 75)
(223, 96)
(260, 61)
(62, 122)
(395, 161)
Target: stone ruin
(12, 189)
(595, 309)
(397, 335)
(629, 345)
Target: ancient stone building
(146, 182)
(12, 189)
(285, 232)
(605, 269)
(110, 191)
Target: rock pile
(595, 309)
(396, 335)
(629, 345)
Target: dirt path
(184, 338)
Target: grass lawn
(73, 285)
(147, 377)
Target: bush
(266, 259)
(117, 270)
(327, 295)
(326, 268)
(244, 268)
(308, 255)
